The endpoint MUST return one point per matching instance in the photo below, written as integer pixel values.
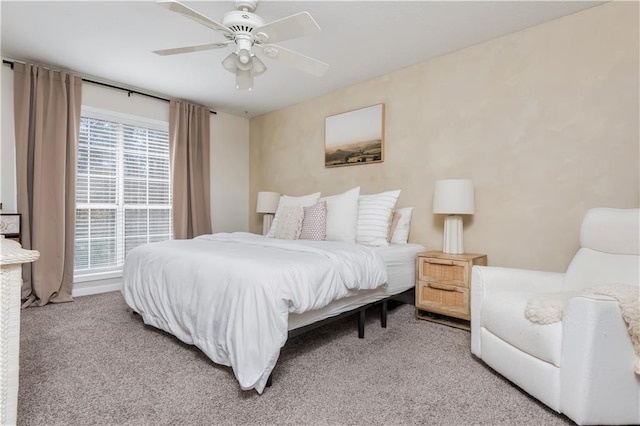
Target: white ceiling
(112, 41)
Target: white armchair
(582, 366)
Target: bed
(399, 260)
(238, 296)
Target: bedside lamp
(453, 197)
(267, 203)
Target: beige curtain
(189, 144)
(47, 119)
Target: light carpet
(93, 361)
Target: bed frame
(406, 296)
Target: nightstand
(443, 287)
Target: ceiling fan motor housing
(241, 22)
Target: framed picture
(354, 137)
(10, 225)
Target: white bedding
(400, 260)
(231, 294)
(401, 265)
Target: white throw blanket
(548, 308)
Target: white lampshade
(267, 202)
(453, 196)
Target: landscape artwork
(354, 137)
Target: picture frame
(354, 137)
(11, 225)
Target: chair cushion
(503, 315)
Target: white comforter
(230, 294)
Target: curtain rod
(129, 91)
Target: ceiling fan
(246, 30)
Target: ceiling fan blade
(244, 80)
(294, 26)
(180, 8)
(188, 49)
(296, 60)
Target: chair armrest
(489, 279)
(597, 376)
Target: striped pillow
(314, 223)
(374, 217)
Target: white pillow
(342, 215)
(401, 233)
(374, 217)
(286, 200)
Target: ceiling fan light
(244, 56)
(229, 63)
(243, 66)
(258, 66)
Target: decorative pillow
(374, 217)
(401, 233)
(286, 200)
(395, 217)
(342, 215)
(314, 222)
(290, 223)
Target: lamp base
(267, 219)
(452, 243)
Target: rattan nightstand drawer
(447, 271)
(444, 299)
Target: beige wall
(544, 121)
(229, 173)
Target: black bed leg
(361, 324)
(383, 315)
(270, 380)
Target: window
(123, 189)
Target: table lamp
(453, 197)
(268, 204)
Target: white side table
(12, 256)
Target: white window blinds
(123, 191)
